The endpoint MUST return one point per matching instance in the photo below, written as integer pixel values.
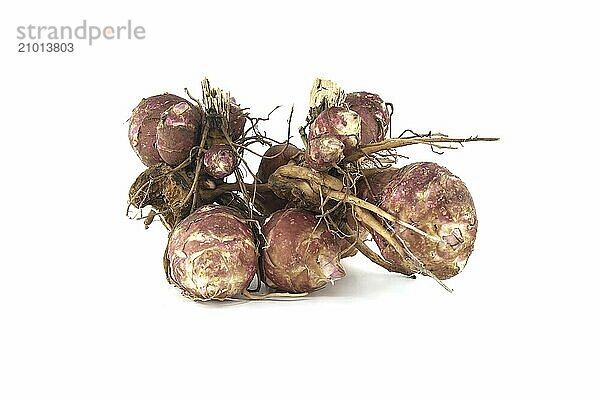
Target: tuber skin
(324, 153)
(237, 120)
(177, 132)
(437, 202)
(335, 133)
(374, 115)
(219, 161)
(212, 254)
(370, 187)
(300, 255)
(143, 126)
(273, 158)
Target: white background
(86, 312)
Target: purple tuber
(143, 125)
(431, 198)
(374, 115)
(219, 161)
(211, 254)
(300, 255)
(332, 135)
(177, 132)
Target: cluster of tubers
(285, 233)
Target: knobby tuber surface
(306, 208)
(212, 254)
(437, 202)
(143, 126)
(219, 161)
(177, 132)
(300, 255)
(374, 115)
(332, 135)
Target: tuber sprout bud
(300, 255)
(212, 254)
